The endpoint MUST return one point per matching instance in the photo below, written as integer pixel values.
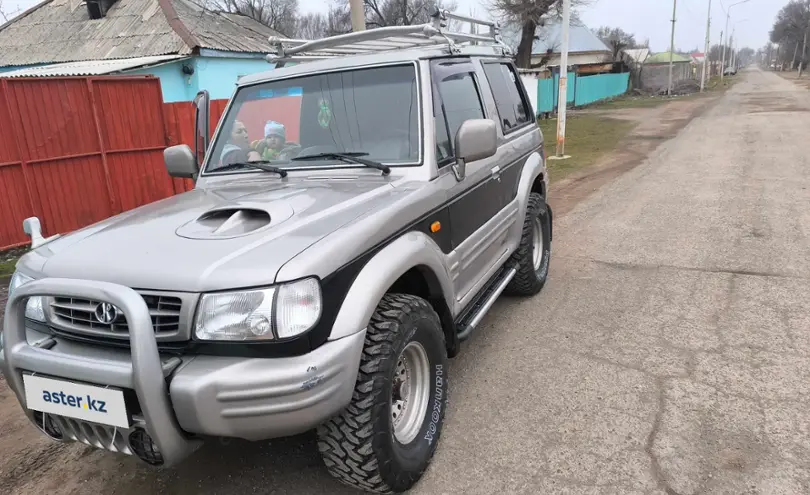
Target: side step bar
(483, 304)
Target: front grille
(80, 314)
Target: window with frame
(458, 100)
(513, 108)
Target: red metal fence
(76, 150)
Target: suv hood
(225, 236)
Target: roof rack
(389, 38)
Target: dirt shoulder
(652, 126)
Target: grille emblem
(106, 313)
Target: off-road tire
(358, 446)
(528, 281)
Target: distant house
(186, 46)
(655, 71)
(635, 56)
(663, 58)
(586, 51)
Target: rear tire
(534, 252)
(386, 437)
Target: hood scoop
(227, 223)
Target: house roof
(638, 55)
(92, 67)
(549, 37)
(57, 31)
(663, 58)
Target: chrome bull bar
(146, 373)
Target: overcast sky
(644, 18)
(651, 19)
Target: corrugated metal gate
(76, 150)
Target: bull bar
(146, 375)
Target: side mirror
(180, 161)
(476, 139)
(202, 132)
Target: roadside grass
(793, 76)
(587, 139)
(8, 260)
(715, 84)
(631, 101)
(7, 267)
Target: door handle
(496, 172)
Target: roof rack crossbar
(432, 34)
(458, 17)
(367, 35)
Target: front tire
(534, 252)
(386, 437)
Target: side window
(513, 109)
(458, 100)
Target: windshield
(371, 111)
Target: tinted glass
(461, 100)
(444, 148)
(370, 110)
(513, 109)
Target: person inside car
(238, 148)
(275, 146)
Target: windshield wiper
(349, 156)
(259, 164)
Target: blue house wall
(217, 74)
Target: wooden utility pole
(358, 15)
(804, 51)
(562, 101)
(706, 50)
(672, 46)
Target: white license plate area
(73, 400)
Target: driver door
(475, 200)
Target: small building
(188, 47)
(586, 52)
(663, 58)
(655, 71)
(636, 56)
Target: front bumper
(180, 399)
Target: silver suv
(354, 218)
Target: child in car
(275, 146)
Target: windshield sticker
(325, 113)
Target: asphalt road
(668, 354)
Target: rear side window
(458, 100)
(513, 109)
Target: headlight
(34, 309)
(278, 312)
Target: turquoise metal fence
(581, 90)
(546, 95)
(594, 88)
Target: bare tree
(617, 39)
(528, 15)
(6, 15)
(790, 27)
(279, 15)
(380, 13)
(316, 25)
